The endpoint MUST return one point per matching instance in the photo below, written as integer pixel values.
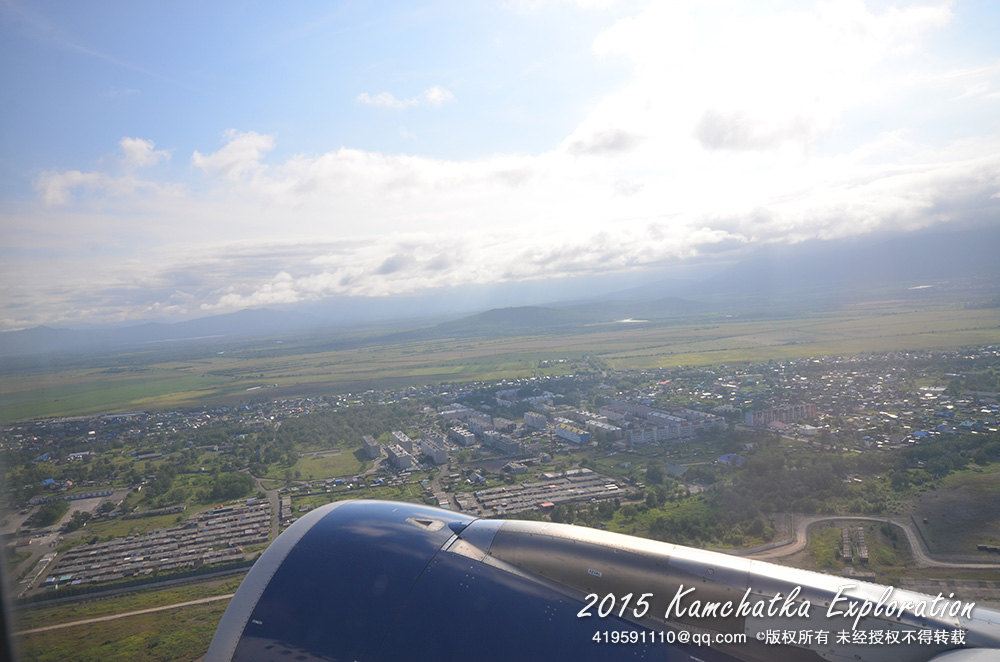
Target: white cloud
(239, 157)
(56, 188)
(733, 127)
(141, 153)
(437, 96)
(433, 96)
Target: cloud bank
(733, 128)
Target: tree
(230, 486)
(77, 521)
(654, 474)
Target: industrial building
(213, 537)
(583, 485)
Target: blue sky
(183, 159)
(182, 73)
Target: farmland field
(263, 371)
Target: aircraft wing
(381, 580)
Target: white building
(434, 449)
(400, 458)
(461, 436)
(535, 421)
(571, 433)
(403, 440)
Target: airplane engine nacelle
(380, 580)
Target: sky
(163, 161)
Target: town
(135, 498)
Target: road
(377, 464)
(137, 612)
(272, 498)
(920, 553)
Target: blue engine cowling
(380, 580)
(364, 580)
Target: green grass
(34, 617)
(961, 512)
(177, 634)
(889, 555)
(15, 557)
(813, 336)
(823, 545)
(120, 527)
(411, 492)
(69, 395)
(690, 521)
(312, 467)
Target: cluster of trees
(592, 515)
(229, 486)
(772, 481)
(49, 513)
(77, 521)
(691, 521)
(327, 428)
(936, 459)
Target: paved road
(137, 612)
(920, 553)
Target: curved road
(920, 553)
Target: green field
(313, 467)
(120, 527)
(300, 370)
(176, 634)
(961, 513)
(889, 552)
(33, 617)
(411, 492)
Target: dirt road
(112, 617)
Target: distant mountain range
(857, 265)
(766, 280)
(555, 318)
(243, 323)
